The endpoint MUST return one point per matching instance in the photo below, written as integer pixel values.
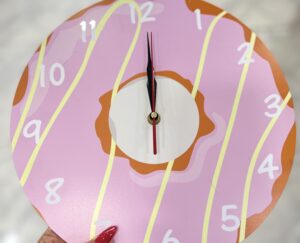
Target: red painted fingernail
(107, 235)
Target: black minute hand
(151, 92)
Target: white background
(23, 26)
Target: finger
(50, 237)
(107, 235)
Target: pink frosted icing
(72, 149)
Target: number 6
(169, 239)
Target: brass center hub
(154, 117)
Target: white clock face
(176, 130)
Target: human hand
(105, 237)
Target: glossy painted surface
(130, 192)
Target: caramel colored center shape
(182, 162)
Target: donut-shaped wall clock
(168, 119)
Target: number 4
(267, 166)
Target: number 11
(83, 25)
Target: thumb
(107, 235)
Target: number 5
(229, 218)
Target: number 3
(229, 218)
(273, 102)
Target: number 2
(146, 8)
(245, 58)
(230, 218)
(267, 166)
(169, 239)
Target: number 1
(198, 19)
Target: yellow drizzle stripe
(158, 201)
(252, 167)
(30, 95)
(204, 52)
(71, 89)
(109, 167)
(194, 93)
(225, 144)
(93, 229)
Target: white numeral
(233, 222)
(267, 166)
(273, 101)
(169, 239)
(146, 9)
(198, 19)
(56, 68)
(35, 133)
(52, 187)
(83, 25)
(245, 59)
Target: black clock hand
(152, 86)
(150, 74)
